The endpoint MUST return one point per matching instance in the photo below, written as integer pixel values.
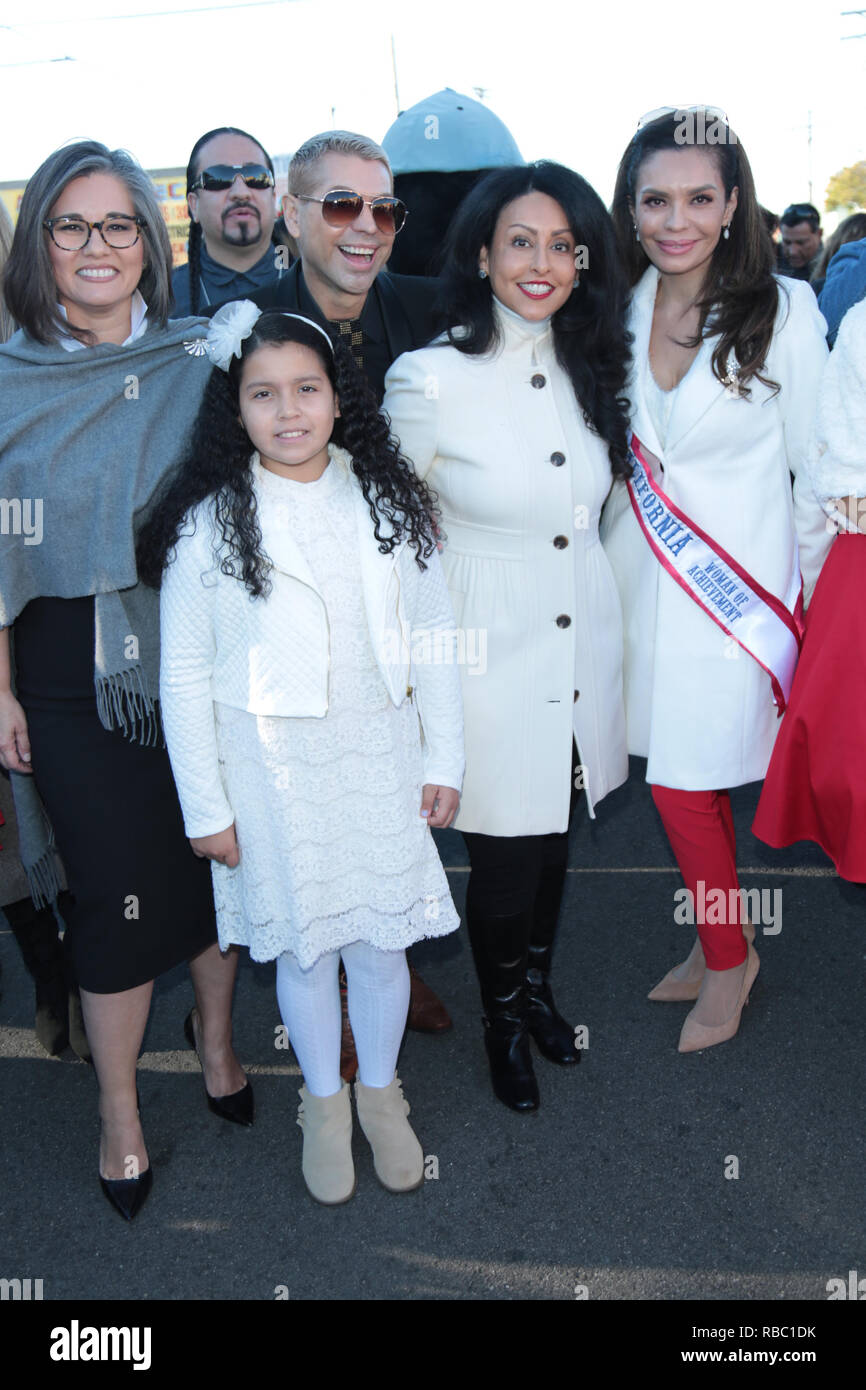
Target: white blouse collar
(137, 327)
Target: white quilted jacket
(837, 459)
(271, 656)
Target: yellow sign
(170, 185)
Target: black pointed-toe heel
(240, 1107)
(128, 1195)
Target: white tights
(378, 997)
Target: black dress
(142, 901)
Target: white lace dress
(333, 849)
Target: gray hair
(29, 284)
(331, 142)
(7, 326)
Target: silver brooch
(196, 348)
(732, 381)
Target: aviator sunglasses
(341, 206)
(219, 177)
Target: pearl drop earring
(727, 232)
(636, 232)
(482, 275)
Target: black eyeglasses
(73, 233)
(341, 206)
(219, 177)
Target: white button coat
(518, 473)
(699, 707)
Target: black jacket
(406, 305)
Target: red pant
(700, 827)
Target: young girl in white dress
(307, 642)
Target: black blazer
(406, 303)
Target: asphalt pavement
(735, 1173)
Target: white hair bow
(228, 328)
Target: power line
(143, 14)
(38, 62)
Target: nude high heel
(672, 990)
(696, 1036)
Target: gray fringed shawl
(86, 438)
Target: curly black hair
(217, 463)
(590, 337)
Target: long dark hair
(195, 233)
(217, 462)
(589, 333)
(29, 286)
(740, 297)
(852, 228)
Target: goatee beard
(244, 233)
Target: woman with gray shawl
(97, 392)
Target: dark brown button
(576, 693)
(557, 459)
(563, 620)
(560, 542)
(538, 381)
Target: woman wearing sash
(98, 391)
(704, 537)
(517, 419)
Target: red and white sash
(759, 622)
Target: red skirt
(815, 787)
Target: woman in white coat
(704, 539)
(516, 419)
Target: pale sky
(570, 80)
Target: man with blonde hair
(341, 211)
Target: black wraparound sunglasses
(219, 177)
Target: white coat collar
(698, 391)
(275, 522)
(517, 333)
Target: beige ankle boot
(327, 1162)
(397, 1156)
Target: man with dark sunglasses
(232, 207)
(802, 240)
(341, 211)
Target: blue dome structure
(447, 133)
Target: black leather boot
(42, 952)
(499, 947)
(553, 1036)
